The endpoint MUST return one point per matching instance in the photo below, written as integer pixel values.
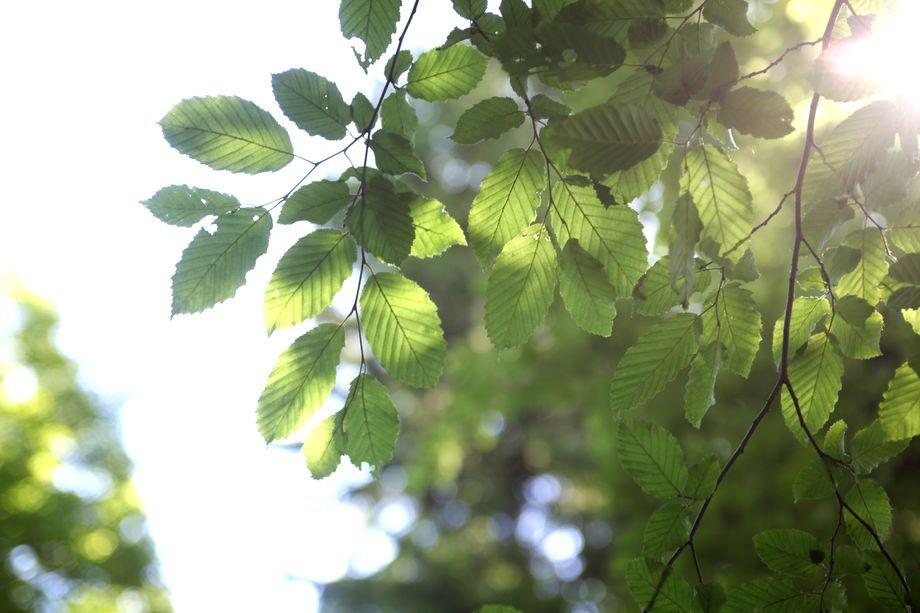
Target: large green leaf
(585, 290)
(612, 235)
(380, 221)
(653, 361)
(442, 74)
(301, 381)
(487, 119)
(520, 288)
(394, 154)
(760, 113)
(769, 595)
(373, 21)
(181, 205)
(435, 229)
(807, 313)
(370, 422)
(324, 446)
(506, 201)
(700, 394)
(652, 457)
(788, 551)
(667, 529)
(214, 265)
(859, 342)
(312, 102)
(721, 195)
(404, 330)
(870, 502)
(676, 595)
(899, 411)
(865, 280)
(871, 447)
(228, 133)
(607, 138)
(735, 322)
(397, 115)
(816, 376)
(316, 202)
(307, 278)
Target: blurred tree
(72, 532)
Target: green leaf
(905, 239)
(871, 447)
(848, 561)
(443, 74)
(711, 596)
(807, 313)
(656, 358)
(397, 65)
(545, 107)
(520, 288)
(721, 195)
(652, 457)
(612, 235)
(735, 322)
(585, 290)
(859, 342)
(380, 222)
(676, 595)
(837, 81)
(487, 119)
(667, 529)
(312, 102)
(397, 115)
(870, 501)
(181, 205)
(506, 202)
(435, 229)
(760, 113)
(834, 443)
(787, 551)
(315, 202)
(654, 293)
(300, 382)
(470, 9)
(864, 280)
(899, 411)
(394, 154)
(812, 482)
(607, 138)
(769, 595)
(703, 477)
(228, 133)
(907, 269)
(701, 385)
(307, 278)
(816, 376)
(731, 15)
(324, 446)
(214, 266)
(883, 584)
(912, 317)
(723, 71)
(370, 422)
(404, 330)
(373, 21)
(362, 112)
(684, 236)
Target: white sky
(237, 526)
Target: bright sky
(237, 526)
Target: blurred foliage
(72, 532)
(508, 469)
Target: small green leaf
(807, 313)
(435, 229)
(585, 290)
(711, 597)
(370, 422)
(675, 596)
(834, 442)
(812, 482)
(324, 446)
(871, 503)
(735, 322)
(307, 278)
(214, 265)
(865, 280)
(859, 342)
(731, 15)
(883, 584)
(362, 112)
(487, 119)
(520, 288)
(787, 551)
(312, 102)
(397, 65)
(470, 9)
(397, 115)
(703, 478)
(443, 74)
(656, 358)
(760, 113)
(899, 411)
(769, 594)
(723, 71)
(816, 376)
(907, 269)
(300, 382)
(685, 233)
(667, 529)
(654, 294)
(506, 202)
(316, 202)
(228, 133)
(871, 447)
(404, 330)
(394, 154)
(912, 317)
(652, 457)
(545, 107)
(181, 205)
(701, 384)
(372, 21)
(380, 222)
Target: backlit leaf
(584, 288)
(652, 457)
(373, 21)
(435, 229)
(871, 503)
(370, 422)
(442, 74)
(736, 323)
(380, 222)
(787, 551)
(487, 119)
(760, 113)
(816, 376)
(899, 411)
(312, 102)
(181, 205)
(315, 202)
